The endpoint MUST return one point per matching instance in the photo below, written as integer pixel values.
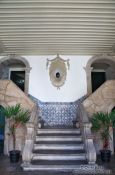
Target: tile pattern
(58, 113)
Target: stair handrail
(30, 137)
(85, 126)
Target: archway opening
(99, 74)
(17, 70)
(98, 70)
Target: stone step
(50, 168)
(39, 151)
(59, 146)
(58, 142)
(58, 131)
(58, 162)
(58, 138)
(65, 157)
(74, 169)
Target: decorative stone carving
(58, 71)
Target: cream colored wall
(40, 85)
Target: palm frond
(23, 116)
(16, 116)
(11, 111)
(101, 122)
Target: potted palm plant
(16, 117)
(101, 123)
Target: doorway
(98, 78)
(2, 128)
(18, 77)
(113, 134)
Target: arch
(13, 56)
(27, 67)
(103, 57)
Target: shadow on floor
(7, 168)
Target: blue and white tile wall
(58, 113)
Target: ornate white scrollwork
(58, 71)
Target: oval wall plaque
(58, 71)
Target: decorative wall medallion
(58, 71)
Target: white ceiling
(80, 27)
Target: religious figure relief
(58, 71)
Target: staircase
(58, 149)
(61, 149)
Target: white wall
(41, 87)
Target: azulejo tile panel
(58, 113)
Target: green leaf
(23, 116)
(11, 111)
(101, 122)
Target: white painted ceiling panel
(74, 27)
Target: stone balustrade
(30, 137)
(103, 99)
(85, 126)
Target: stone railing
(85, 126)
(103, 99)
(30, 137)
(10, 95)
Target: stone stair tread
(77, 154)
(59, 151)
(59, 142)
(81, 156)
(74, 169)
(53, 167)
(59, 146)
(65, 131)
(59, 138)
(58, 162)
(58, 134)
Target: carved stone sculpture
(58, 71)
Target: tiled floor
(6, 168)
